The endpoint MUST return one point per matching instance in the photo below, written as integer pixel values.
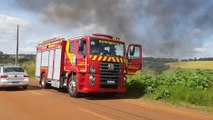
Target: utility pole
(17, 46)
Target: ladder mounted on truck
(49, 41)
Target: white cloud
(8, 27)
(199, 50)
(9, 22)
(197, 31)
(206, 45)
(27, 50)
(90, 27)
(93, 28)
(1, 41)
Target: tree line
(156, 65)
(10, 58)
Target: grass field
(192, 65)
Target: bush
(193, 87)
(29, 67)
(181, 94)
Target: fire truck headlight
(125, 72)
(92, 69)
(125, 79)
(92, 80)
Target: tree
(1, 53)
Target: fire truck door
(81, 58)
(134, 56)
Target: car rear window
(13, 69)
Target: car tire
(72, 87)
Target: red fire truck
(87, 64)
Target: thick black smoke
(166, 28)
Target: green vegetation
(29, 67)
(192, 87)
(26, 61)
(10, 59)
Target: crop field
(192, 65)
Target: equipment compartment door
(57, 64)
(134, 55)
(38, 64)
(50, 66)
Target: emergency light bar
(103, 35)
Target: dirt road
(50, 104)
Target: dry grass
(192, 65)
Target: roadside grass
(29, 67)
(179, 95)
(185, 87)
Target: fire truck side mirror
(132, 50)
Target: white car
(13, 76)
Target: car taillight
(25, 75)
(3, 76)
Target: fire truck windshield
(106, 47)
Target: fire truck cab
(87, 64)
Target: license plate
(110, 82)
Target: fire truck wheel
(43, 83)
(72, 87)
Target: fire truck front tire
(72, 87)
(43, 83)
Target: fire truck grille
(109, 78)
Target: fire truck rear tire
(43, 83)
(72, 87)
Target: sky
(165, 28)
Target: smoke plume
(166, 28)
